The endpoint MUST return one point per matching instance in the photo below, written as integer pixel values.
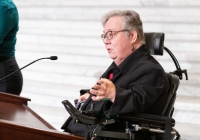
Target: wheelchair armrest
(141, 122)
(78, 115)
(147, 118)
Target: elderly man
(134, 83)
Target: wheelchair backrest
(155, 44)
(174, 83)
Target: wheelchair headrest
(155, 42)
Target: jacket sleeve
(7, 20)
(141, 93)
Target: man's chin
(112, 57)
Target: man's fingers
(96, 98)
(93, 91)
(97, 86)
(83, 97)
(100, 81)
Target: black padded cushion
(147, 118)
(155, 42)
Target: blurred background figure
(8, 29)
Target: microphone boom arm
(52, 58)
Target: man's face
(120, 46)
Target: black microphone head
(53, 57)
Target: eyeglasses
(109, 35)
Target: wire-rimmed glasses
(109, 35)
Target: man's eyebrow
(108, 30)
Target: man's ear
(133, 36)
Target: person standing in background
(8, 30)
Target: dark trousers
(12, 84)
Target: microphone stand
(51, 57)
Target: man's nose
(106, 41)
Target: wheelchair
(158, 127)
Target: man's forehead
(113, 24)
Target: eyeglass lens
(108, 35)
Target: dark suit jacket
(141, 86)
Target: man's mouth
(109, 50)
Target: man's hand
(104, 89)
(83, 97)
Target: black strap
(168, 128)
(119, 135)
(97, 130)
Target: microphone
(51, 58)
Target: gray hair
(131, 21)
